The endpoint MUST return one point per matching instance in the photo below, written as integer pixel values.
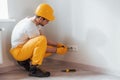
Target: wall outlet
(72, 48)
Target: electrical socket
(72, 48)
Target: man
(29, 46)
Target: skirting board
(90, 68)
(8, 68)
(72, 64)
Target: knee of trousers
(38, 55)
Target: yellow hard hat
(46, 11)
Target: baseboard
(73, 64)
(8, 68)
(113, 72)
(80, 66)
(91, 68)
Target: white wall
(18, 9)
(93, 25)
(1, 60)
(5, 45)
(95, 29)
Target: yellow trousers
(35, 49)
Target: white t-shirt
(23, 31)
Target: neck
(35, 22)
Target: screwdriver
(69, 70)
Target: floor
(55, 68)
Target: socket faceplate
(72, 48)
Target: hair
(37, 16)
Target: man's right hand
(62, 50)
(60, 45)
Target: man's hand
(62, 50)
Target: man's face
(42, 21)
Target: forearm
(52, 43)
(51, 50)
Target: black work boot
(25, 64)
(36, 72)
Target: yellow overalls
(34, 49)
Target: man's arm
(52, 43)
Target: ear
(40, 18)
